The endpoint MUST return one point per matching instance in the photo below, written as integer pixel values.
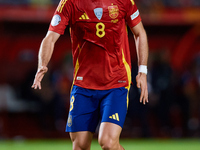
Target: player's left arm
(142, 49)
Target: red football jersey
(100, 48)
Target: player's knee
(108, 143)
(81, 145)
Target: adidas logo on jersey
(84, 17)
(114, 116)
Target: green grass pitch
(128, 144)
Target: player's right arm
(45, 53)
(57, 27)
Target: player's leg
(109, 134)
(81, 140)
(113, 109)
(83, 117)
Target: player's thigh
(81, 140)
(109, 133)
(113, 107)
(83, 114)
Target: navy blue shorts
(89, 107)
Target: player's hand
(141, 80)
(38, 77)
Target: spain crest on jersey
(113, 11)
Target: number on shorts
(72, 103)
(100, 29)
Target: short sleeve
(132, 15)
(61, 17)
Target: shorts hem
(80, 131)
(113, 123)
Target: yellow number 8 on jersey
(72, 103)
(100, 29)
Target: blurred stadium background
(173, 28)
